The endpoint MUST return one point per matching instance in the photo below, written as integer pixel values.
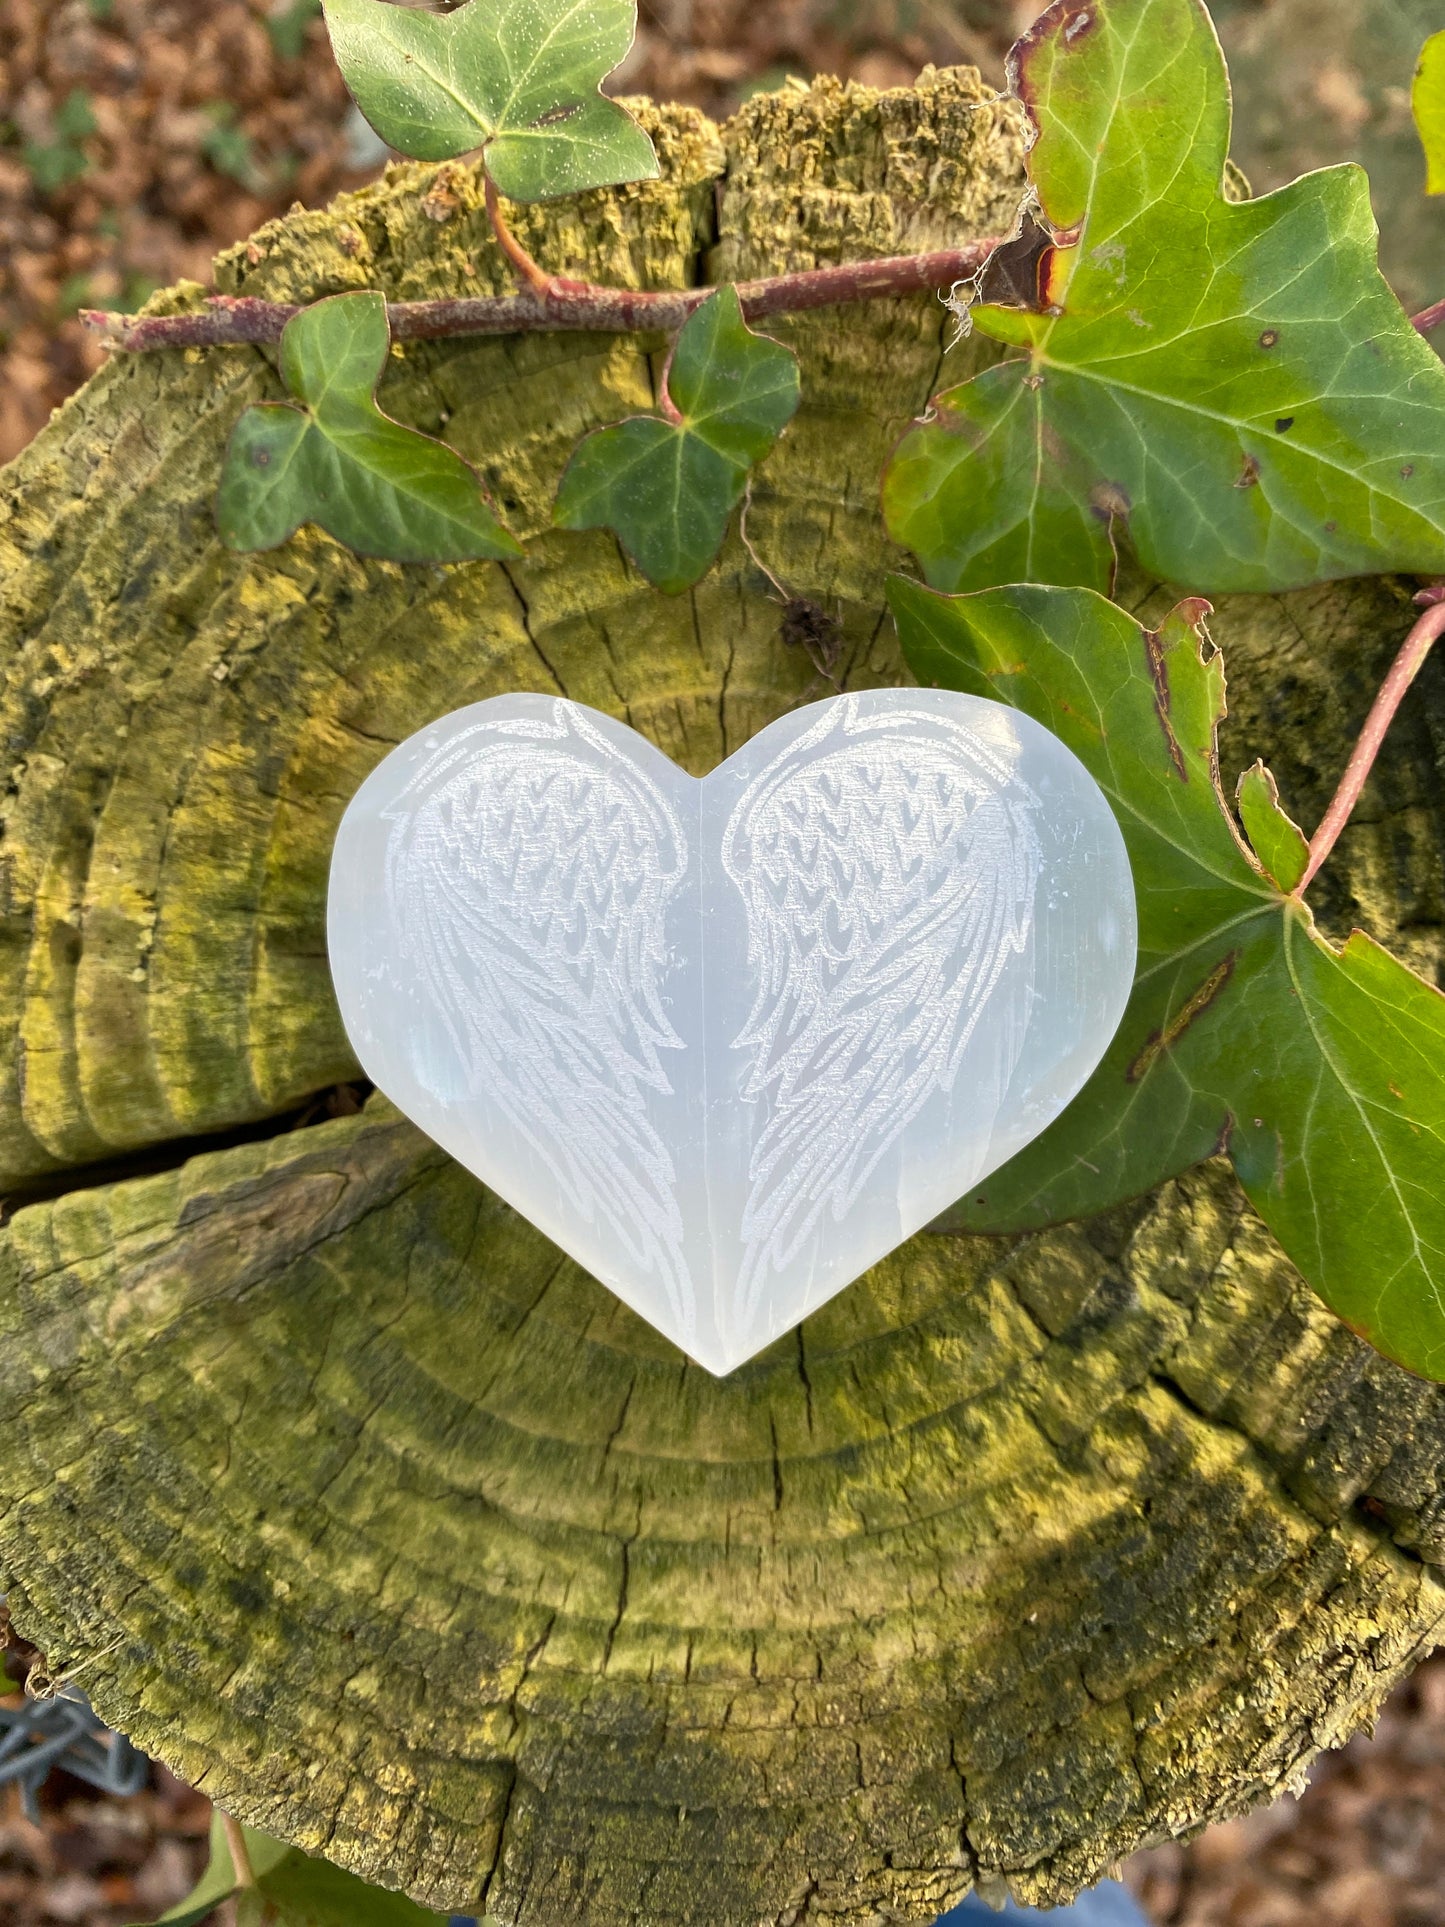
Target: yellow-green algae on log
(378, 1518)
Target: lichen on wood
(421, 1549)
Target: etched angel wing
(530, 868)
(888, 864)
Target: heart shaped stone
(730, 1041)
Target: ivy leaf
(517, 78)
(1320, 1071)
(1231, 385)
(293, 1889)
(191, 1913)
(1277, 840)
(333, 458)
(300, 1891)
(667, 487)
(216, 1884)
(1427, 97)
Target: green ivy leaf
(191, 1912)
(1320, 1071)
(1277, 840)
(668, 487)
(293, 1889)
(517, 78)
(300, 1891)
(1231, 385)
(333, 458)
(216, 1884)
(1427, 97)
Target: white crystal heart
(730, 1041)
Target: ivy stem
(563, 305)
(240, 1853)
(666, 406)
(1429, 318)
(528, 272)
(1403, 672)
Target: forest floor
(138, 137)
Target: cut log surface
(376, 1517)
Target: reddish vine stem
(528, 272)
(666, 406)
(1403, 672)
(240, 1853)
(556, 302)
(563, 304)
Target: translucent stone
(728, 1042)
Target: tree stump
(376, 1517)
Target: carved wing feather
(888, 867)
(530, 869)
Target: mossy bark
(381, 1520)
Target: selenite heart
(730, 1041)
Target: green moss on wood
(426, 1552)
(185, 725)
(420, 1548)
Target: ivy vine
(1223, 388)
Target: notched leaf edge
(489, 543)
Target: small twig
(528, 272)
(40, 1684)
(804, 622)
(565, 305)
(240, 1853)
(783, 594)
(1403, 672)
(1429, 318)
